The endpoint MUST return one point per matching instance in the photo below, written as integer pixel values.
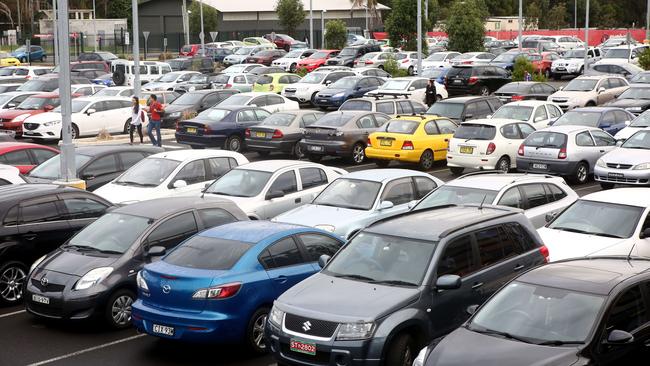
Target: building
(508, 24)
(82, 22)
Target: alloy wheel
(581, 173)
(258, 331)
(504, 165)
(121, 310)
(11, 283)
(408, 356)
(358, 154)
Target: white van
(149, 71)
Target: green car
(274, 83)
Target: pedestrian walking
(154, 123)
(137, 118)
(527, 76)
(430, 93)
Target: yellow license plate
(384, 142)
(466, 150)
(260, 134)
(191, 130)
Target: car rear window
(405, 127)
(546, 139)
(475, 131)
(356, 105)
(514, 88)
(463, 72)
(265, 79)
(202, 252)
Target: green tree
(606, 17)
(557, 16)
(120, 9)
(644, 59)
(291, 14)
(336, 34)
(520, 67)
(533, 14)
(465, 27)
(402, 27)
(209, 19)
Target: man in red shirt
(156, 109)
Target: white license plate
(41, 299)
(323, 100)
(540, 166)
(161, 329)
(315, 148)
(457, 81)
(616, 175)
(28, 133)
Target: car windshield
(4, 98)
(188, 99)
(33, 85)
(641, 121)
(149, 172)
(167, 78)
(434, 73)
(636, 93)
(395, 85)
(294, 54)
(244, 51)
(505, 57)
(20, 49)
(202, 252)
(51, 169)
(221, 79)
(354, 194)
(236, 100)
(449, 110)
(641, 78)
(348, 52)
(539, 314)
(112, 233)
(77, 106)
(599, 218)
(240, 183)
(33, 103)
(581, 85)
(517, 112)
(383, 259)
(578, 118)
(279, 119)
(401, 126)
(574, 54)
(264, 79)
(546, 139)
(198, 79)
(356, 105)
(313, 78)
(214, 114)
(345, 83)
(449, 194)
(475, 131)
(640, 140)
(437, 57)
(334, 119)
(319, 55)
(617, 53)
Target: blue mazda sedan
(346, 88)
(219, 285)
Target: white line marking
(73, 354)
(587, 187)
(14, 313)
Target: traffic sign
(146, 35)
(214, 36)
(201, 35)
(127, 40)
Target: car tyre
(557, 77)
(426, 160)
(255, 331)
(297, 151)
(484, 91)
(358, 153)
(606, 186)
(234, 143)
(401, 351)
(581, 174)
(503, 165)
(75, 132)
(127, 126)
(381, 163)
(293, 67)
(411, 70)
(590, 104)
(456, 170)
(313, 99)
(13, 275)
(118, 309)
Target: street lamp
(311, 24)
(367, 32)
(95, 25)
(419, 40)
(521, 21)
(202, 34)
(586, 38)
(322, 27)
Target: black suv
(202, 64)
(476, 80)
(400, 283)
(461, 109)
(37, 218)
(347, 55)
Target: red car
(265, 57)
(25, 156)
(12, 119)
(543, 61)
(317, 60)
(190, 50)
(282, 41)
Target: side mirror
(90, 111)
(601, 90)
(471, 309)
(412, 88)
(412, 204)
(156, 251)
(87, 176)
(469, 116)
(488, 116)
(384, 205)
(274, 194)
(619, 337)
(323, 259)
(328, 82)
(48, 107)
(645, 233)
(253, 105)
(179, 184)
(560, 88)
(11, 105)
(627, 123)
(538, 118)
(448, 282)
(550, 216)
(619, 143)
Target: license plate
(323, 100)
(385, 142)
(161, 329)
(561, 69)
(41, 299)
(457, 81)
(616, 175)
(191, 130)
(28, 133)
(315, 148)
(466, 149)
(540, 166)
(302, 347)
(260, 134)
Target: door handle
(298, 200)
(602, 151)
(477, 285)
(29, 236)
(281, 279)
(519, 267)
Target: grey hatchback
(400, 283)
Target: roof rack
(481, 172)
(394, 95)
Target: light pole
(202, 34)
(186, 22)
(322, 27)
(311, 24)
(136, 49)
(68, 170)
(19, 20)
(586, 38)
(95, 25)
(647, 20)
(419, 40)
(367, 32)
(55, 36)
(521, 22)
(575, 14)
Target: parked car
(316, 60)
(472, 58)
(572, 62)
(12, 119)
(641, 78)
(37, 219)
(149, 71)
(10, 175)
(258, 41)
(524, 90)
(115, 91)
(97, 165)
(477, 80)
(635, 100)
(12, 99)
(609, 119)
(438, 59)
(542, 45)
(589, 91)
(196, 82)
(371, 71)
(389, 105)
(272, 102)
(20, 74)
(341, 133)
(35, 53)
(408, 61)
(377, 59)
(282, 41)
(306, 89)
(83, 89)
(357, 199)
(604, 67)
(346, 88)
(274, 83)
(190, 49)
(280, 132)
(349, 55)
(192, 103)
(437, 74)
(640, 122)
(290, 61)
(623, 54)
(240, 56)
(169, 80)
(240, 68)
(265, 189)
(537, 320)
(5, 88)
(202, 64)
(628, 164)
(461, 109)
(7, 60)
(24, 155)
(507, 60)
(535, 112)
(163, 97)
(220, 126)
(265, 70)
(566, 42)
(241, 82)
(414, 87)
(103, 56)
(412, 139)
(265, 57)
(47, 83)
(379, 287)
(218, 54)
(94, 270)
(169, 174)
(570, 151)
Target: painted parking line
(11, 314)
(585, 187)
(80, 352)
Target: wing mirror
(91, 111)
(488, 116)
(328, 82)
(550, 216)
(384, 205)
(619, 143)
(412, 88)
(412, 204)
(48, 107)
(645, 233)
(274, 194)
(156, 251)
(11, 105)
(601, 90)
(448, 282)
(469, 116)
(323, 260)
(179, 184)
(87, 176)
(619, 337)
(560, 88)
(627, 123)
(471, 310)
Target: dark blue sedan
(219, 285)
(346, 88)
(609, 119)
(220, 126)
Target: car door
(18, 158)
(284, 186)
(604, 141)
(246, 118)
(482, 109)
(365, 126)
(622, 120)
(540, 117)
(535, 199)
(116, 116)
(81, 209)
(588, 149)
(399, 192)
(312, 181)
(190, 179)
(42, 225)
(100, 171)
(285, 264)
(170, 232)
(94, 122)
(275, 103)
(316, 245)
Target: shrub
(336, 34)
(521, 66)
(644, 59)
(302, 71)
(163, 56)
(392, 67)
(188, 115)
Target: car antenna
(480, 207)
(629, 255)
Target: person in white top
(137, 118)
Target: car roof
(465, 99)
(598, 109)
(275, 165)
(567, 129)
(252, 231)
(19, 144)
(182, 155)
(381, 175)
(595, 77)
(598, 275)
(100, 98)
(161, 207)
(529, 103)
(438, 222)
(102, 149)
(639, 197)
(491, 121)
(11, 193)
(496, 181)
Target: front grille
(315, 327)
(619, 166)
(606, 178)
(51, 287)
(44, 310)
(320, 358)
(290, 90)
(30, 126)
(563, 100)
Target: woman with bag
(137, 118)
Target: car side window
(482, 109)
(212, 217)
(457, 258)
(171, 232)
(130, 158)
(259, 101)
(512, 198)
(628, 313)
(318, 244)
(18, 157)
(274, 99)
(470, 110)
(261, 114)
(446, 126)
(83, 208)
(246, 116)
(104, 165)
(554, 193)
(312, 177)
(431, 129)
(525, 129)
(308, 119)
(608, 119)
(520, 236)
(510, 131)
(494, 245)
(40, 211)
(381, 120)
(535, 195)
(622, 116)
(418, 107)
(212, 99)
(423, 186)
(191, 173)
(283, 253)
(217, 167)
(404, 107)
(540, 114)
(240, 79)
(285, 183)
(399, 191)
(495, 103)
(584, 139)
(366, 122)
(364, 83)
(602, 138)
(554, 111)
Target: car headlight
(329, 228)
(93, 277)
(175, 115)
(192, 88)
(338, 95)
(601, 163)
(142, 284)
(36, 263)
(419, 361)
(51, 123)
(20, 118)
(275, 317)
(350, 331)
(644, 166)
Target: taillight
(490, 149)
(472, 80)
(271, 87)
(407, 145)
(277, 134)
(468, 62)
(227, 86)
(562, 153)
(517, 97)
(217, 292)
(406, 60)
(520, 152)
(247, 132)
(368, 144)
(206, 128)
(544, 251)
(369, 62)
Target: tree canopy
(291, 14)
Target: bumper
(309, 68)
(411, 156)
(335, 148)
(287, 67)
(205, 326)
(552, 167)
(169, 122)
(565, 71)
(16, 127)
(481, 162)
(622, 176)
(44, 133)
(201, 141)
(66, 305)
(329, 101)
(284, 146)
(298, 96)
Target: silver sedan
(629, 164)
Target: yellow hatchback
(417, 139)
(274, 83)
(9, 61)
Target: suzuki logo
(306, 326)
(618, 166)
(44, 281)
(166, 289)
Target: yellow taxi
(420, 139)
(7, 60)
